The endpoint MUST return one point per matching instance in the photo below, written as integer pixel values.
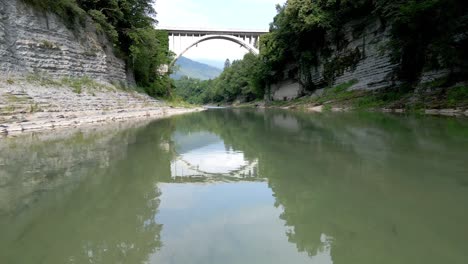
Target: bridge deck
(208, 31)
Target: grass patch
(391, 97)
(42, 79)
(8, 109)
(48, 45)
(11, 98)
(368, 102)
(78, 84)
(337, 93)
(345, 86)
(178, 102)
(457, 96)
(327, 108)
(251, 104)
(34, 108)
(437, 83)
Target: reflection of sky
(210, 159)
(224, 223)
(201, 153)
(186, 142)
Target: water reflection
(223, 223)
(240, 186)
(95, 204)
(203, 154)
(363, 188)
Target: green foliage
(78, 84)
(368, 102)
(327, 108)
(33, 108)
(344, 86)
(243, 80)
(457, 96)
(194, 91)
(148, 52)
(68, 10)
(426, 34)
(338, 65)
(339, 92)
(103, 25)
(42, 79)
(48, 45)
(298, 32)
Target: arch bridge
(248, 39)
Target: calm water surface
(239, 186)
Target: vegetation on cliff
(129, 24)
(425, 35)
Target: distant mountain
(193, 69)
(214, 63)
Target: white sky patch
(238, 14)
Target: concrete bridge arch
(239, 41)
(248, 39)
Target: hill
(193, 69)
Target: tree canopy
(243, 80)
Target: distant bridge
(248, 39)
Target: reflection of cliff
(363, 189)
(374, 185)
(33, 164)
(96, 202)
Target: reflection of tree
(108, 218)
(373, 183)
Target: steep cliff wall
(363, 57)
(360, 55)
(33, 41)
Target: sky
(238, 14)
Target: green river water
(239, 186)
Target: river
(239, 186)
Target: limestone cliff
(33, 41)
(360, 55)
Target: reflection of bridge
(248, 39)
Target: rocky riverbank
(36, 103)
(427, 99)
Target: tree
(227, 64)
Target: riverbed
(239, 186)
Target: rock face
(286, 90)
(373, 68)
(32, 41)
(32, 105)
(361, 56)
